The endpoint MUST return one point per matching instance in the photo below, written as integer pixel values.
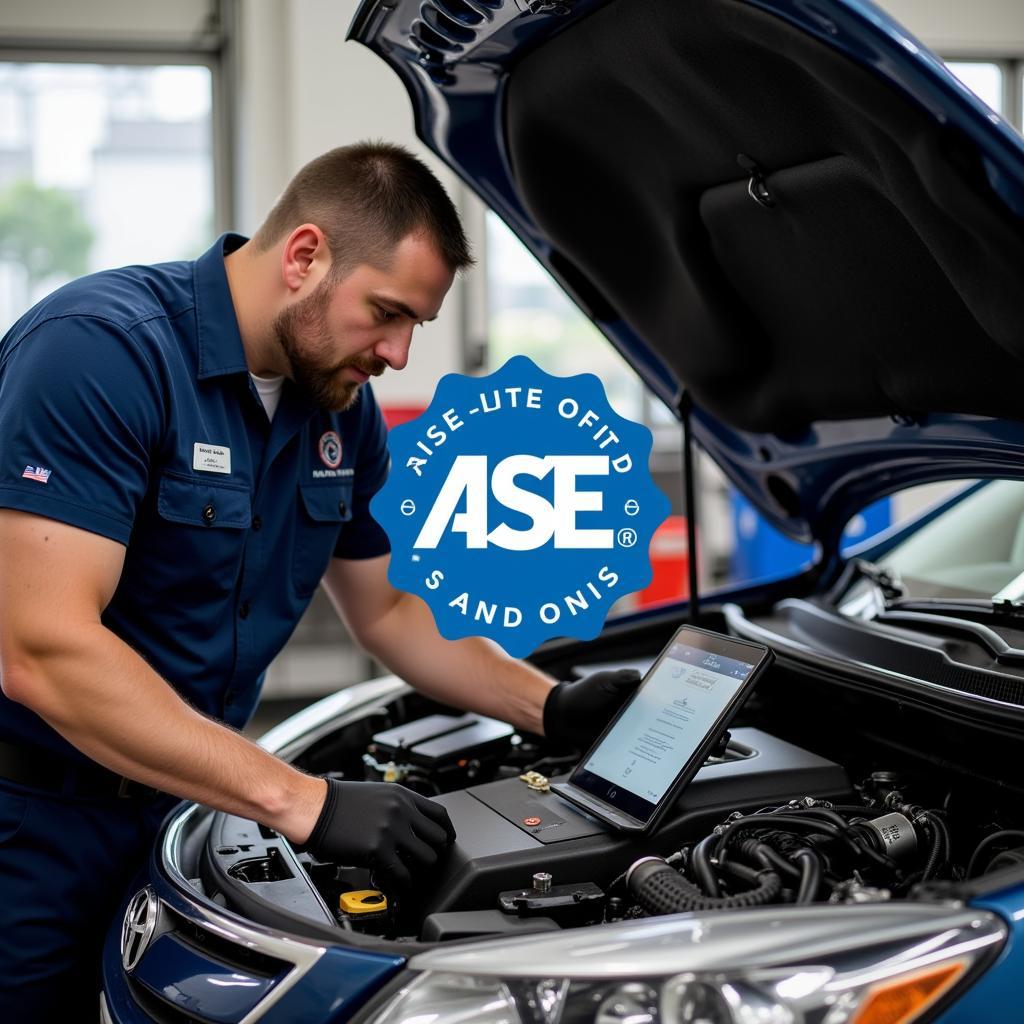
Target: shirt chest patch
(329, 451)
(211, 458)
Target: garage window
(101, 164)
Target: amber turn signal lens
(903, 999)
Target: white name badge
(211, 458)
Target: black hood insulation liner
(798, 241)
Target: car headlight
(870, 964)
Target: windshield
(974, 549)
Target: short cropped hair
(366, 198)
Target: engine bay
(766, 821)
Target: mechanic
(188, 450)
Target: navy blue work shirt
(127, 409)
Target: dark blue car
(808, 240)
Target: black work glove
(382, 826)
(576, 712)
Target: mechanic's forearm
(110, 704)
(473, 673)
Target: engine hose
(762, 854)
(660, 889)
(700, 865)
(809, 824)
(938, 837)
(806, 821)
(751, 876)
(824, 814)
(810, 880)
(672, 858)
(781, 866)
(933, 860)
(940, 824)
(784, 843)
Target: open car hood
(787, 207)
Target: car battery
(439, 745)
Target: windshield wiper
(1007, 604)
(1002, 610)
(995, 645)
(886, 581)
(1007, 608)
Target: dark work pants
(64, 866)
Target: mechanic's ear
(303, 249)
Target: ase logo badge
(520, 506)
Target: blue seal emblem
(520, 506)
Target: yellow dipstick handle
(363, 901)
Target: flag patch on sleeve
(36, 473)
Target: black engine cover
(501, 843)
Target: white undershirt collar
(269, 390)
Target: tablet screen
(668, 719)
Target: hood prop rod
(685, 408)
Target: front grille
(224, 951)
(159, 1011)
(222, 954)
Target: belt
(39, 769)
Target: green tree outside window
(43, 231)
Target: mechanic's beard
(301, 330)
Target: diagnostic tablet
(665, 732)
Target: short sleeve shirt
(127, 409)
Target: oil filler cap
(363, 901)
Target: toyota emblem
(138, 927)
